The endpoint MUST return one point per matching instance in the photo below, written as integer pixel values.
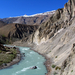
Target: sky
(12, 8)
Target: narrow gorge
(55, 39)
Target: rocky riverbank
(47, 63)
(14, 61)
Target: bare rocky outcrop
(61, 19)
(68, 65)
(59, 49)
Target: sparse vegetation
(4, 40)
(57, 68)
(50, 51)
(56, 56)
(53, 66)
(3, 35)
(7, 55)
(71, 70)
(55, 73)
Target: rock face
(17, 30)
(61, 19)
(68, 64)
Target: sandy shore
(16, 60)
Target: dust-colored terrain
(56, 40)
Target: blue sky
(12, 8)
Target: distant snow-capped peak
(45, 13)
(38, 14)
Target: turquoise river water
(23, 67)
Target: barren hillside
(18, 31)
(35, 19)
(56, 39)
(2, 23)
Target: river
(30, 59)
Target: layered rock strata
(61, 19)
(55, 39)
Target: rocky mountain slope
(9, 20)
(59, 49)
(35, 19)
(61, 19)
(2, 23)
(18, 31)
(56, 39)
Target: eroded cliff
(61, 19)
(55, 39)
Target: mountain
(40, 14)
(9, 20)
(2, 23)
(55, 39)
(35, 19)
(61, 19)
(10, 31)
(18, 31)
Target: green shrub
(2, 42)
(71, 70)
(0, 51)
(55, 73)
(53, 66)
(3, 35)
(56, 56)
(57, 68)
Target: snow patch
(46, 13)
(38, 14)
